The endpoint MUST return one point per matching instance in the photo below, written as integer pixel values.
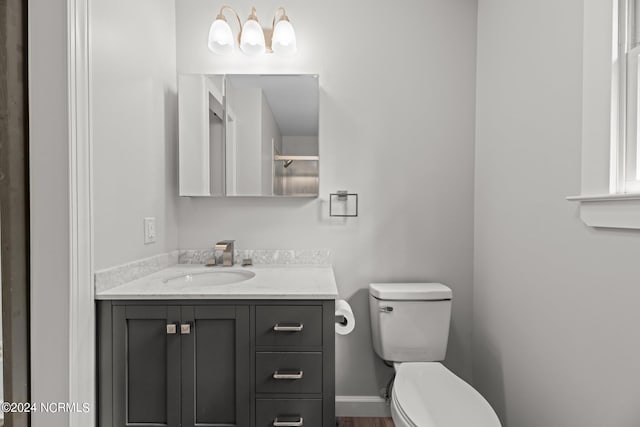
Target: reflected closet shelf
(285, 158)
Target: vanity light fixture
(220, 35)
(253, 39)
(283, 39)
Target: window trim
(602, 203)
(628, 91)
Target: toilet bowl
(426, 394)
(410, 327)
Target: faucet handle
(224, 245)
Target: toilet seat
(426, 394)
(400, 418)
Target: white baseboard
(361, 406)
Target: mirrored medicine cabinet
(248, 135)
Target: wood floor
(365, 422)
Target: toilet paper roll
(344, 309)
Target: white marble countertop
(270, 282)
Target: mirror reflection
(260, 136)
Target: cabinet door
(215, 366)
(146, 366)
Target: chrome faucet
(226, 246)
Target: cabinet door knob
(288, 327)
(288, 422)
(185, 329)
(171, 328)
(287, 375)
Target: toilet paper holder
(341, 320)
(345, 321)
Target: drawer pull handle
(288, 327)
(185, 329)
(285, 422)
(171, 328)
(287, 375)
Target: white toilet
(410, 327)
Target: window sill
(610, 210)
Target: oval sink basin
(211, 278)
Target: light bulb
(220, 37)
(284, 38)
(252, 38)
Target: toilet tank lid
(410, 291)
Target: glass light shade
(284, 38)
(220, 38)
(252, 39)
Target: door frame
(14, 207)
(82, 316)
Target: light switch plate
(149, 230)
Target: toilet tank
(410, 321)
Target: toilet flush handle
(385, 309)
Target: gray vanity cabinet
(174, 365)
(216, 363)
(215, 360)
(146, 368)
(294, 364)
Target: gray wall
(555, 340)
(134, 127)
(49, 207)
(271, 138)
(396, 126)
(300, 145)
(246, 103)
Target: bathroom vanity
(176, 350)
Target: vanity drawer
(289, 326)
(290, 372)
(288, 412)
